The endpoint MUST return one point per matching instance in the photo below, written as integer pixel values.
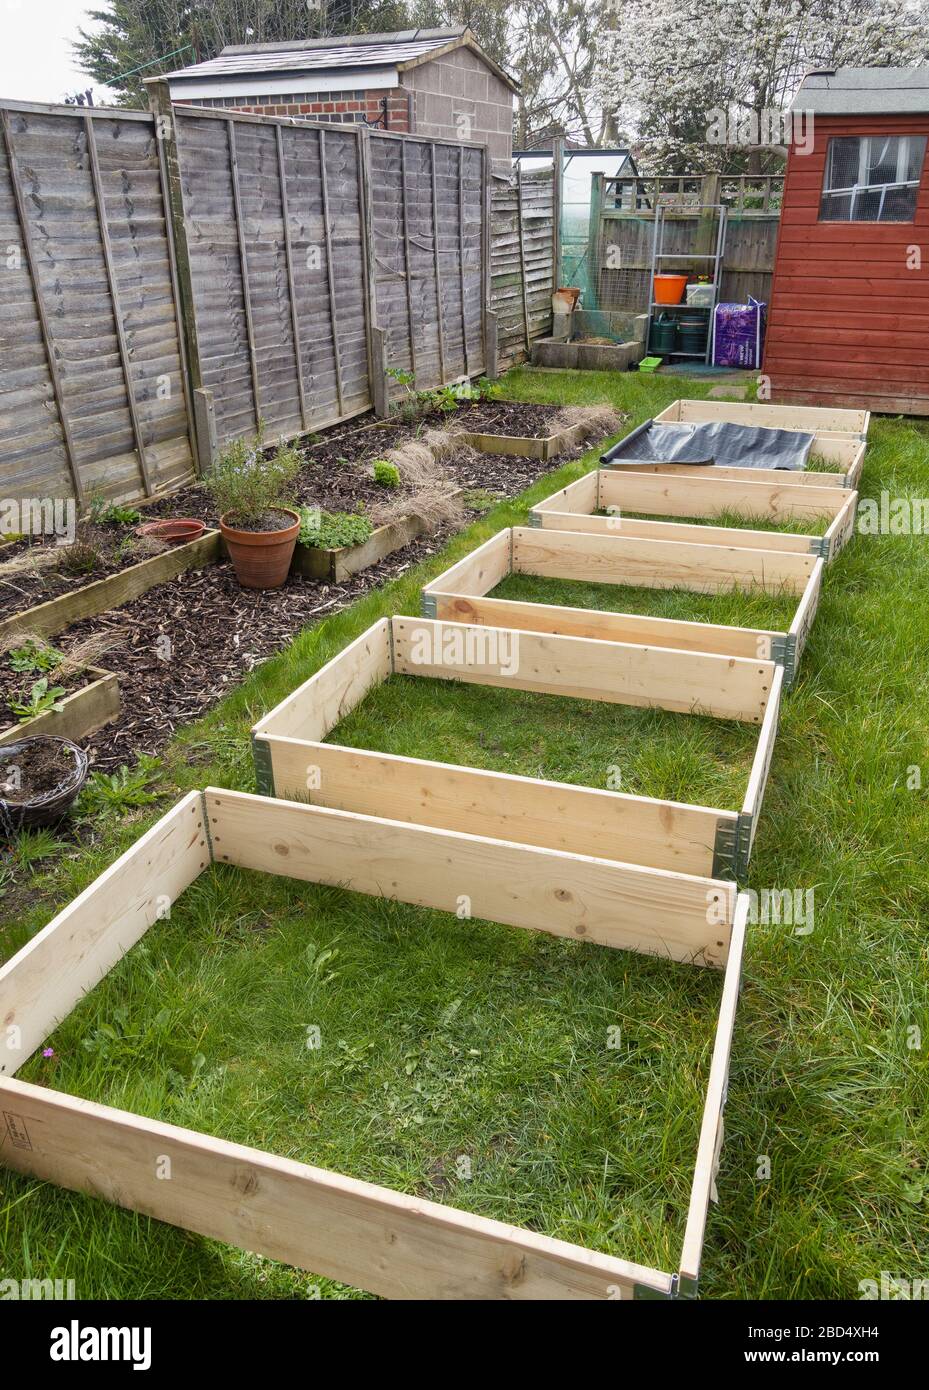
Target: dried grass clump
(144, 547)
(33, 560)
(428, 491)
(597, 421)
(88, 652)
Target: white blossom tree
(669, 68)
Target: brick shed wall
(346, 106)
(458, 86)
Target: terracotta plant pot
(261, 558)
(175, 531)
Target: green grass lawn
(469, 1062)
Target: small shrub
(34, 655)
(245, 484)
(332, 530)
(386, 473)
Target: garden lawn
(471, 1063)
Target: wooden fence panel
(92, 387)
(522, 262)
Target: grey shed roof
(865, 92)
(401, 49)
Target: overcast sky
(36, 63)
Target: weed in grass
(116, 794)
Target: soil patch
(43, 766)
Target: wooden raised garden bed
(839, 438)
(581, 506)
(319, 562)
(82, 713)
(362, 1234)
(459, 595)
(658, 841)
(53, 616)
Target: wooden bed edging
(335, 1226)
(56, 614)
(292, 760)
(459, 595)
(525, 446)
(83, 712)
(317, 562)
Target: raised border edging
(82, 713)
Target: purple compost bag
(738, 334)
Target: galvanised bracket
(784, 653)
(428, 605)
(264, 773)
(732, 848)
(535, 519)
(682, 1286)
(819, 545)
(206, 826)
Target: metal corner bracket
(732, 848)
(264, 772)
(428, 605)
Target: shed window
(872, 178)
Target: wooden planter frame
(679, 847)
(56, 614)
(839, 437)
(576, 508)
(339, 1227)
(82, 713)
(317, 562)
(525, 446)
(460, 594)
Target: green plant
(115, 793)
(386, 473)
(83, 556)
(34, 655)
(245, 483)
(113, 514)
(488, 390)
(332, 530)
(42, 698)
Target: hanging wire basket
(42, 808)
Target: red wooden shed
(848, 321)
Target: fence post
(594, 238)
(557, 200)
(159, 100)
(377, 342)
(489, 318)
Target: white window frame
(861, 185)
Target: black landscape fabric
(716, 441)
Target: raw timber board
(361, 1234)
(460, 594)
(820, 421)
(56, 614)
(316, 562)
(524, 446)
(292, 759)
(577, 507)
(82, 713)
(846, 454)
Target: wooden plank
(681, 495)
(56, 614)
(438, 265)
(116, 306)
(291, 290)
(809, 419)
(604, 626)
(47, 337)
(461, 253)
(243, 264)
(583, 495)
(82, 713)
(687, 682)
(761, 763)
(711, 1129)
(175, 278)
(363, 1235)
(332, 692)
(842, 529)
(408, 272)
(802, 624)
(526, 810)
(794, 477)
(796, 544)
(522, 252)
(330, 275)
(598, 901)
(478, 572)
(611, 559)
(41, 984)
(377, 380)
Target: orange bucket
(669, 289)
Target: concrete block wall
(457, 97)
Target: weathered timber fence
(176, 279)
(92, 381)
(622, 225)
(522, 261)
